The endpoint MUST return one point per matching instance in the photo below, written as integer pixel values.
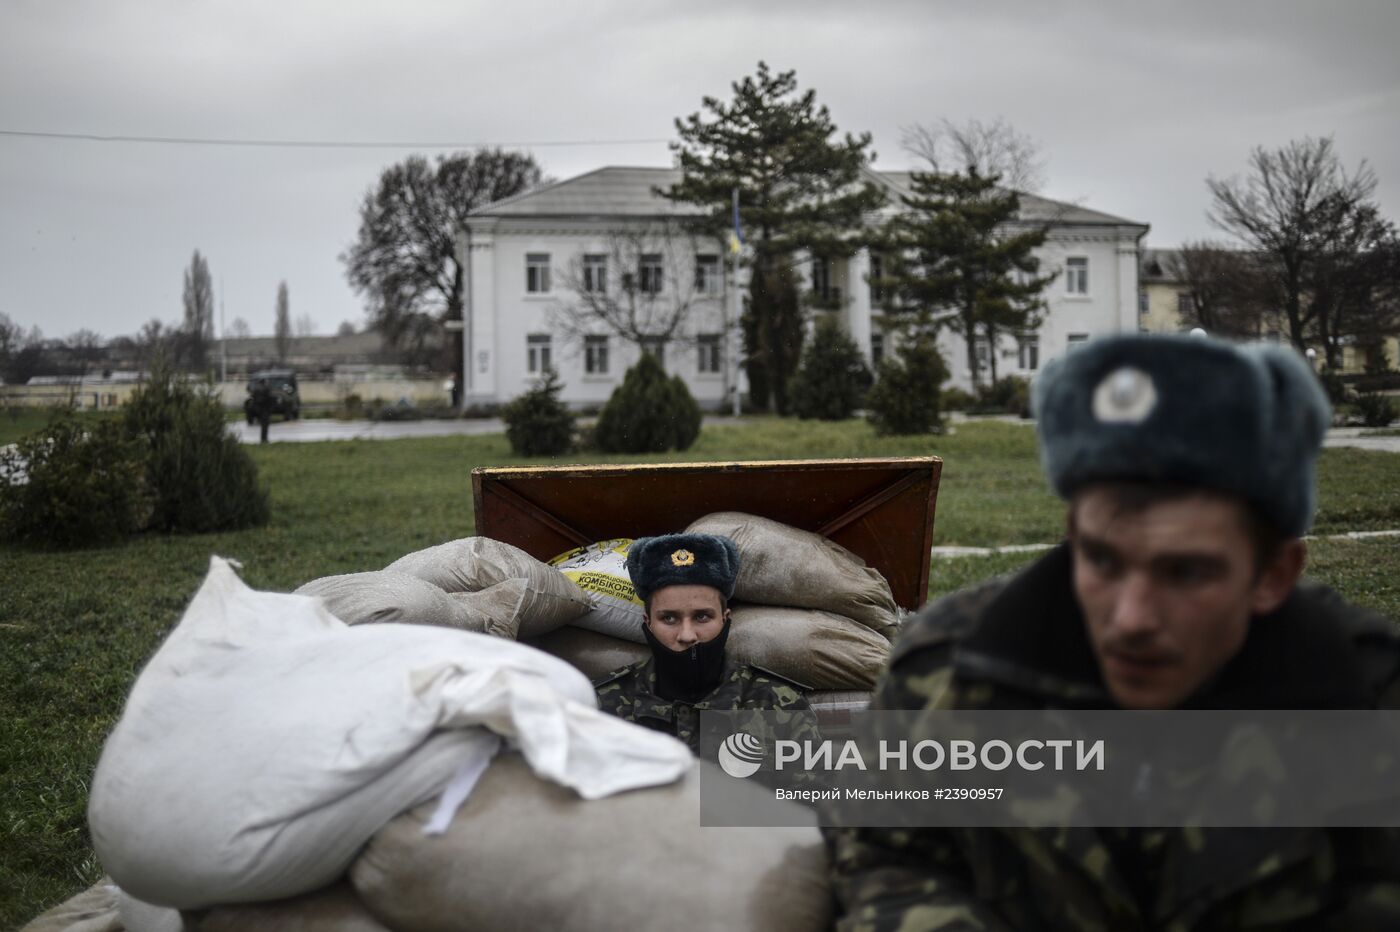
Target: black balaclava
(687, 675)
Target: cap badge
(682, 558)
(1125, 396)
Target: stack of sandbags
(266, 742)
(523, 854)
(475, 584)
(804, 607)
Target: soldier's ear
(1277, 579)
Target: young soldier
(1188, 466)
(685, 582)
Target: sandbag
(595, 655)
(524, 855)
(336, 908)
(371, 598)
(781, 565)
(816, 649)
(266, 741)
(547, 598)
(600, 570)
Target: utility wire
(319, 143)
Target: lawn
(76, 627)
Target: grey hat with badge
(1245, 420)
(683, 560)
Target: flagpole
(735, 335)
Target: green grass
(76, 627)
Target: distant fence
(101, 394)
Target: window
(537, 352)
(1142, 302)
(821, 277)
(708, 358)
(537, 272)
(877, 272)
(707, 278)
(877, 349)
(1077, 275)
(595, 273)
(657, 347)
(1183, 303)
(595, 355)
(649, 276)
(1075, 340)
(1029, 356)
(980, 349)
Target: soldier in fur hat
(685, 582)
(1188, 466)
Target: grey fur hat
(683, 560)
(1245, 420)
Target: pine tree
(538, 423)
(832, 380)
(958, 257)
(799, 188)
(648, 413)
(198, 330)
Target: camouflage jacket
(1019, 643)
(630, 693)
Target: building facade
(545, 267)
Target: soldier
(1188, 466)
(685, 582)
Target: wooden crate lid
(880, 509)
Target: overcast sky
(1133, 106)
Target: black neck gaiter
(687, 675)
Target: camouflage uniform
(1020, 644)
(630, 693)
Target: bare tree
(1308, 220)
(153, 340)
(305, 326)
(346, 329)
(239, 329)
(198, 329)
(85, 347)
(642, 287)
(1228, 293)
(282, 329)
(993, 149)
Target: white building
(530, 258)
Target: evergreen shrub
(538, 423)
(832, 379)
(905, 397)
(648, 413)
(73, 483)
(199, 475)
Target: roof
(629, 191)
(1159, 265)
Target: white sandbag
(266, 741)
(547, 598)
(595, 655)
(600, 570)
(336, 908)
(521, 855)
(781, 565)
(371, 598)
(817, 649)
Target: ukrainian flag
(736, 235)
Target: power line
(320, 143)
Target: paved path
(1354, 437)
(1036, 548)
(307, 431)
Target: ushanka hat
(683, 560)
(1244, 420)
